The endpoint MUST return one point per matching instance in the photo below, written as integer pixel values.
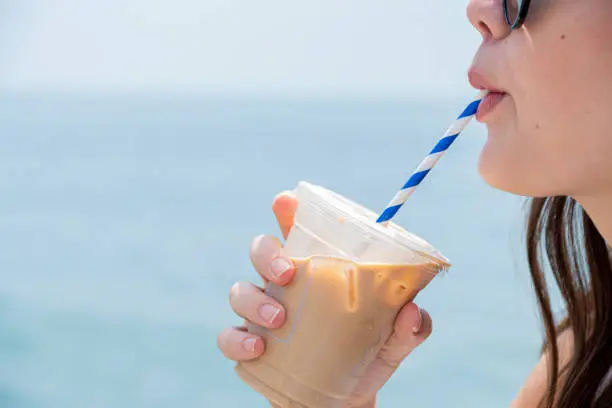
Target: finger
(284, 206)
(250, 303)
(267, 258)
(412, 327)
(239, 345)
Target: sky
(371, 47)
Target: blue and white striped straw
(431, 160)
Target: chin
(499, 171)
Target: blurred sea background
(141, 144)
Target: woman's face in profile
(550, 134)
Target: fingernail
(268, 312)
(280, 266)
(248, 344)
(417, 327)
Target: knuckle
(264, 247)
(256, 244)
(237, 292)
(222, 340)
(234, 291)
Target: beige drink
(347, 314)
(353, 278)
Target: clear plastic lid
(329, 224)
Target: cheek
(516, 160)
(555, 138)
(524, 154)
(531, 157)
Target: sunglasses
(515, 12)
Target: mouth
(494, 95)
(488, 104)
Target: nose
(487, 16)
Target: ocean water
(125, 220)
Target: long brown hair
(562, 238)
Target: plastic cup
(353, 276)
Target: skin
(548, 136)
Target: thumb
(412, 327)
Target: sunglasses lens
(512, 9)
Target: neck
(599, 209)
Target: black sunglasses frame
(520, 18)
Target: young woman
(547, 65)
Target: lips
(488, 104)
(495, 95)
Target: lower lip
(488, 104)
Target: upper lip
(480, 81)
